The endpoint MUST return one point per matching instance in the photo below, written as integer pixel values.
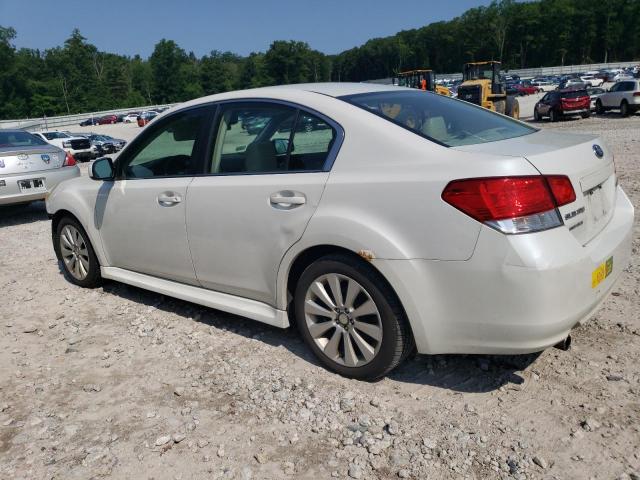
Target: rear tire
(513, 107)
(586, 115)
(328, 297)
(624, 108)
(74, 250)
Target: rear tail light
(512, 204)
(69, 161)
(636, 94)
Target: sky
(242, 26)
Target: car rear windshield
(438, 118)
(575, 94)
(20, 139)
(52, 135)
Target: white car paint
(63, 140)
(625, 91)
(464, 286)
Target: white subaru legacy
(378, 219)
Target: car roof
(331, 89)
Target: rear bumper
(10, 193)
(578, 111)
(86, 154)
(516, 294)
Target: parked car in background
(623, 75)
(623, 96)
(592, 80)
(527, 87)
(544, 83)
(594, 93)
(572, 83)
(79, 147)
(120, 117)
(119, 143)
(102, 144)
(146, 117)
(564, 103)
(131, 117)
(371, 256)
(90, 122)
(108, 119)
(30, 167)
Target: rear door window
(263, 137)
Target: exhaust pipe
(564, 345)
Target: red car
(108, 120)
(527, 88)
(562, 103)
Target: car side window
(260, 138)
(169, 148)
(615, 88)
(545, 98)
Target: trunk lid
(17, 160)
(574, 155)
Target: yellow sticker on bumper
(602, 272)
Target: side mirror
(281, 145)
(102, 169)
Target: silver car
(31, 167)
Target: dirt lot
(122, 383)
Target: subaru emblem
(45, 158)
(597, 149)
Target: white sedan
(378, 219)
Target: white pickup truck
(624, 95)
(79, 147)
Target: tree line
(77, 77)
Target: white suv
(624, 95)
(79, 147)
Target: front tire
(553, 116)
(599, 107)
(73, 249)
(536, 115)
(350, 318)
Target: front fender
(78, 197)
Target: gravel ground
(118, 382)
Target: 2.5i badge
(602, 272)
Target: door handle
(169, 199)
(287, 199)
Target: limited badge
(23, 156)
(45, 158)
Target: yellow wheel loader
(483, 85)
(421, 79)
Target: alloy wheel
(74, 251)
(343, 320)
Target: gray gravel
(122, 383)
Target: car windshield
(52, 135)
(20, 139)
(441, 119)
